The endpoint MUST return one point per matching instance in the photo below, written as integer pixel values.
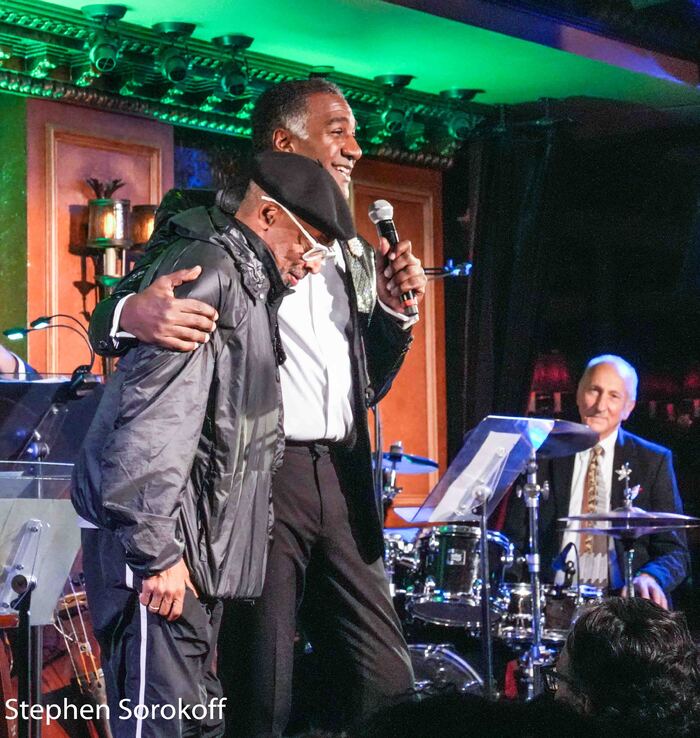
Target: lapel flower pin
(624, 472)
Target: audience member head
(629, 662)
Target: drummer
(593, 481)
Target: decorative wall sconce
(108, 229)
(142, 222)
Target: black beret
(304, 187)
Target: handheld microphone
(381, 213)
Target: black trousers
(166, 667)
(314, 571)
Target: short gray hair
(623, 368)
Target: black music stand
(46, 418)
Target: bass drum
(448, 584)
(438, 668)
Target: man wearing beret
(344, 337)
(173, 480)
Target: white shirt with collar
(316, 378)
(605, 478)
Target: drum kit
(437, 576)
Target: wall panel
(415, 409)
(67, 144)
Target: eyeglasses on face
(554, 679)
(317, 252)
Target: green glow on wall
(13, 215)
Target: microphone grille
(380, 210)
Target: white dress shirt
(316, 378)
(592, 568)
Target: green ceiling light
(173, 62)
(233, 79)
(457, 125)
(105, 47)
(395, 115)
(392, 82)
(460, 94)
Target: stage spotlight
(234, 78)
(173, 64)
(104, 53)
(104, 50)
(395, 119)
(461, 125)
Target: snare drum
(560, 608)
(448, 584)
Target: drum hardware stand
(483, 493)
(21, 582)
(630, 494)
(538, 655)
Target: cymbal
(407, 463)
(630, 522)
(567, 438)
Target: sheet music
(480, 475)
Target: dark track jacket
(180, 455)
(378, 348)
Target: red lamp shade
(551, 374)
(658, 387)
(691, 383)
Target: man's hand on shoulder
(648, 588)
(398, 271)
(157, 316)
(164, 593)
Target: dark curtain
(510, 261)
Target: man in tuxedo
(591, 481)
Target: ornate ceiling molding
(44, 52)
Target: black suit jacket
(663, 555)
